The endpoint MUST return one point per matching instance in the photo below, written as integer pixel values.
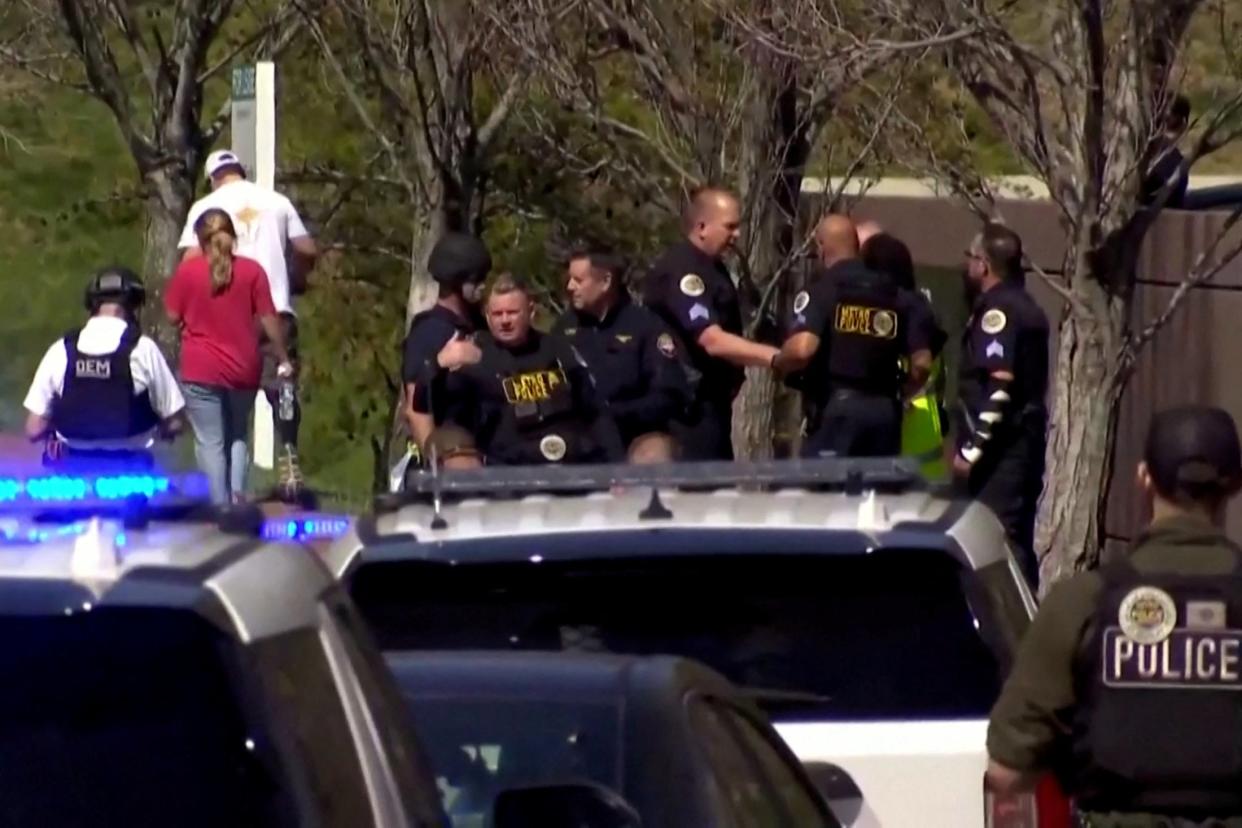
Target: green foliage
(68, 205)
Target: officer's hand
(960, 467)
(458, 352)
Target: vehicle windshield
(481, 746)
(880, 636)
(129, 717)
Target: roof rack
(853, 475)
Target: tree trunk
(1069, 531)
(753, 425)
(166, 209)
(423, 290)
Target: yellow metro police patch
(692, 285)
(532, 387)
(993, 321)
(865, 321)
(1147, 615)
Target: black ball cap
(1193, 446)
(458, 259)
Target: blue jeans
(221, 420)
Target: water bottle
(286, 400)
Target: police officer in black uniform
(1002, 386)
(628, 349)
(1128, 684)
(459, 263)
(104, 393)
(691, 289)
(863, 321)
(527, 397)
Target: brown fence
(1196, 357)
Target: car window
(396, 733)
(302, 696)
(800, 799)
(756, 787)
(886, 635)
(118, 716)
(481, 746)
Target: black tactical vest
(866, 340)
(1159, 679)
(98, 401)
(539, 421)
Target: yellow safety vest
(922, 432)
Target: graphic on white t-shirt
(264, 220)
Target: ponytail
(217, 237)
(219, 252)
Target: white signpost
(253, 127)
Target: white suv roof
(818, 506)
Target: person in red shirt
(215, 300)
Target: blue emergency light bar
(15, 534)
(52, 490)
(305, 526)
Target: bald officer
(1128, 685)
(691, 289)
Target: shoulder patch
(1147, 615)
(884, 323)
(666, 345)
(553, 447)
(692, 285)
(801, 301)
(993, 321)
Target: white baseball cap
(220, 159)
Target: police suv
(165, 668)
(873, 619)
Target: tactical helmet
(115, 284)
(459, 259)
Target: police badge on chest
(1150, 649)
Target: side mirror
(572, 805)
(841, 792)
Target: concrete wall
(1196, 357)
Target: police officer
(1128, 685)
(922, 422)
(691, 289)
(1002, 386)
(628, 349)
(104, 392)
(459, 263)
(527, 397)
(863, 321)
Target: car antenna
(655, 509)
(437, 498)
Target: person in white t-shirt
(267, 226)
(103, 394)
